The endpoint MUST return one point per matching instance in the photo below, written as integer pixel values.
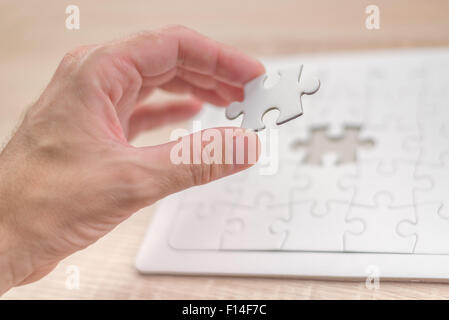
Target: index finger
(158, 52)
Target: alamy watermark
(72, 22)
(372, 21)
(226, 146)
(72, 281)
(372, 281)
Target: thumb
(200, 158)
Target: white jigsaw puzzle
(284, 96)
(386, 205)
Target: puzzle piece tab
(284, 96)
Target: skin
(68, 176)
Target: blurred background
(33, 39)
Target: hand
(69, 175)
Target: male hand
(69, 175)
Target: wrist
(6, 272)
(14, 266)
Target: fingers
(151, 116)
(120, 74)
(156, 53)
(199, 158)
(226, 91)
(178, 85)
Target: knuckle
(200, 173)
(115, 65)
(205, 170)
(74, 56)
(69, 59)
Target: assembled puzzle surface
(387, 208)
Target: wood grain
(34, 38)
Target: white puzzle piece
(284, 96)
(199, 224)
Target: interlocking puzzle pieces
(306, 231)
(254, 183)
(438, 178)
(321, 183)
(202, 214)
(312, 201)
(431, 226)
(313, 204)
(381, 227)
(248, 228)
(371, 180)
(430, 229)
(199, 226)
(231, 214)
(284, 96)
(402, 223)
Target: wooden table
(34, 38)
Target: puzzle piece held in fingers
(284, 96)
